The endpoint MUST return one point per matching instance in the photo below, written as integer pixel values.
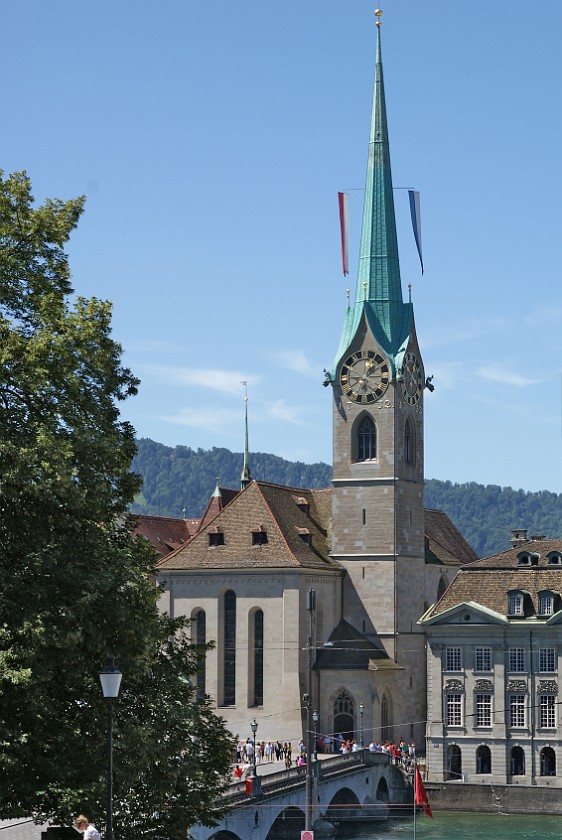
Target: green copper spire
(378, 295)
(245, 476)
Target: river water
(461, 826)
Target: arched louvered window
(366, 439)
(229, 650)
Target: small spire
(217, 492)
(245, 477)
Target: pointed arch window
(229, 650)
(408, 442)
(366, 439)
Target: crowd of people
(400, 753)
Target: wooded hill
(178, 481)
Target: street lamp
(315, 719)
(110, 679)
(361, 710)
(254, 728)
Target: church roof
(350, 650)
(487, 581)
(379, 289)
(264, 525)
(446, 543)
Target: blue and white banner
(414, 197)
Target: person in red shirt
(237, 772)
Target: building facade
(494, 653)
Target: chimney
(518, 537)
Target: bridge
(358, 787)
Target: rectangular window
(516, 659)
(547, 660)
(517, 710)
(454, 709)
(483, 710)
(483, 659)
(545, 604)
(548, 711)
(453, 659)
(515, 604)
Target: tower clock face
(412, 384)
(364, 376)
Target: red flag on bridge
(420, 793)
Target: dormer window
(554, 558)
(216, 538)
(546, 603)
(305, 535)
(302, 504)
(259, 537)
(527, 558)
(515, 603)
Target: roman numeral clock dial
(412, 383)
(364, 377)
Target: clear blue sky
(211, 140)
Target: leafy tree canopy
(75, 585)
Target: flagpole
(415, 793)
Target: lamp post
(110, 679)
(361, 710)
(311, 606)
(254, 728)
(315, 719)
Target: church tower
(378, 386)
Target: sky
(211, 140)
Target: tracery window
(366, 440)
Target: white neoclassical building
(494, 659)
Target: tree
(75, 585)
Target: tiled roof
(216, 503)
(446, 542)
(488, 581)
(164, 532)
(508, 559)
(350, 650)
(268, 508)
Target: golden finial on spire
(378, 14)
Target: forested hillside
(178, 481)
(181, 479)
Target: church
(312, 598)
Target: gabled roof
(164, 532)
(350, 650)
(446, 542)
(268, 508)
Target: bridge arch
(344, 800)
(289, 823)
(382, 794)
(225, 835)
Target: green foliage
(75, 585)
(486, 515)
(182, 479)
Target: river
(461, 826)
